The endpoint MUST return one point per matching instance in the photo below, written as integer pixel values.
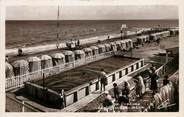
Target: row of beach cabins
(34, 64)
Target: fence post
(43, 81)
(23, 109)
(19, 81)
(166, 57)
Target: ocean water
(31, 33)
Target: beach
(33, 33)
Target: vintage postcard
(113, 58)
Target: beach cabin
(107, 47)
(58, 59)
(134, 41)
(69, 56)
(88, 52)
(101, 48)
(46, 61)
(130, 43)
(34, 64)
(155, 36)
(21, 67)
(127, 45)
(9, 70)
(147, 38)
(174, 32)
(166, 34)
(113, 46)
(94, 50)
(123, 44)
(79, 54)
(118, 44)
(141, 40)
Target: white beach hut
(9, 70)
(69, 56)
(46, 61)
(34, 64)
(21, 67)
(58, 59)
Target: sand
(29, 33)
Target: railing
(18, 81)
(14, 105)
(166, 69)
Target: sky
(91, 12)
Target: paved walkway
(175, 76)
(49, 47)
(84, 101)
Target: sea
(31, 33)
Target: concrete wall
(47, 96)
(80, 91)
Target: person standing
(158, 41)
(125, 93)
(140, 86)
(20, 52)
(121, 31)
(116, 91)
(78, 43)
(62, 102)
(108, 37)
(108, 100)
(165, 81)
(154, 78)
(103, 80)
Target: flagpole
(57, 35)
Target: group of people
(153, 84)
(121, 96)
(73, 44)
(140, 86)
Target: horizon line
(81, 19)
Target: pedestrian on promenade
(125, 93)
(140, 88)
(165, 81)
(158, 41)
(116, 91)
(103, 80)
(61, 100)
(108, 100)
(78, 43)
(154, 77)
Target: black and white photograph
(92, 58)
